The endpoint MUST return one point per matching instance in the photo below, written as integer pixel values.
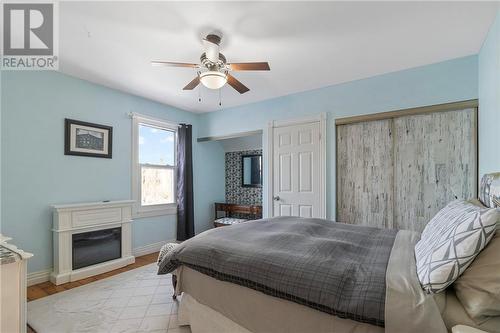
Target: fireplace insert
(94, 247)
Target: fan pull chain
(220, 98)
(199, 94)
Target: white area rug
(134, 301)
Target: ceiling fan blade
(211, 43)
(173, 64)
(191, 85)
(237, 85)
(249, 66)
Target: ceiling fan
(213, 70)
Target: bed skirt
(204, 319)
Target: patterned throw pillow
(165, 249)
(489, 190)
(230, 220)
(451, 241)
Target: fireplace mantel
(69, 219)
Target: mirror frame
(243, 170)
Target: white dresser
(13, 267)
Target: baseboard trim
(44, 276)
(39, 277)
(150, 248)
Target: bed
(308, 275)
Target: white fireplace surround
(84, 217)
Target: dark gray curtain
(185, 205)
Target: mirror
(251, 170)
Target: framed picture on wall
(87, 139)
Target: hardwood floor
(47, 288)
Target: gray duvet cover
(336, 268)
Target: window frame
(138, 210)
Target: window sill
(141, 212)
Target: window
(154, 154)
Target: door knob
(276, 198)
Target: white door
(297, 176)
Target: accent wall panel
(364, 174)
(398, 172)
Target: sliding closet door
(398, 172)
(364, 174)
(434, 162)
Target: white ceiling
(308, 45)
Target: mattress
(261, 313)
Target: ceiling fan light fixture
(213, 79)
(213, 71)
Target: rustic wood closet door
(398, 172)
(434, 161)
(365, 173)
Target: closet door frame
(453, 106)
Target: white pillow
(451, 241)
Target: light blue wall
(209, 179)
(489, 101)
(36, 173)
(449, 81)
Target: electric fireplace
(94, 247)
(90, 239)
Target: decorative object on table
(87, 139)
(185, 204)
(251, 170)
(489, 191)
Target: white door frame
(321, 119)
